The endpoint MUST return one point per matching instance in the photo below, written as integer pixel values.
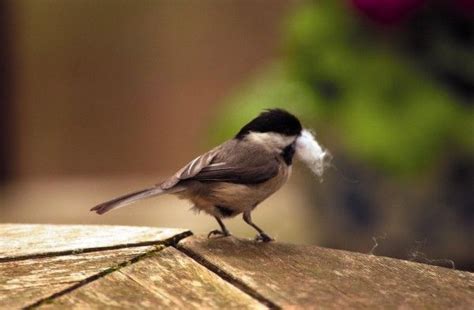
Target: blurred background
(99, 98)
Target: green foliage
(338, 73)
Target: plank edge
(166, 242)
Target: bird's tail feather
(127, 199)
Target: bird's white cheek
(309, 151)
(274, 142)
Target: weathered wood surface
(20, 240)
(78, 273)
(24, 282)
(73, 267)
(166, 279)
(309, 276)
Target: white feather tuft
(311, 153)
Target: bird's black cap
(273, 120)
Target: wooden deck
(97, 267)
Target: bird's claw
(218, 233)
(263, 237)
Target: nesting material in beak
(310, 152)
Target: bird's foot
(263, 237)
(219, 233)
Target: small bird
(236, 176)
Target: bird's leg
(223, 232)
(262, 236)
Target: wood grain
(313, 277)
(24, 282)
(165, 279)
(23, 240)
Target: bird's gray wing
(231, 162)
(239, 172)
(190, 170)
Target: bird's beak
(310, 152)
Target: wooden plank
(115, 290)
(24, 282)
(20, 240)
(310, 276)
(166, 279)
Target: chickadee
(237, 175)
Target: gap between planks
(94, 277)
(160, 245)
(167, 242)
(228, 277)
